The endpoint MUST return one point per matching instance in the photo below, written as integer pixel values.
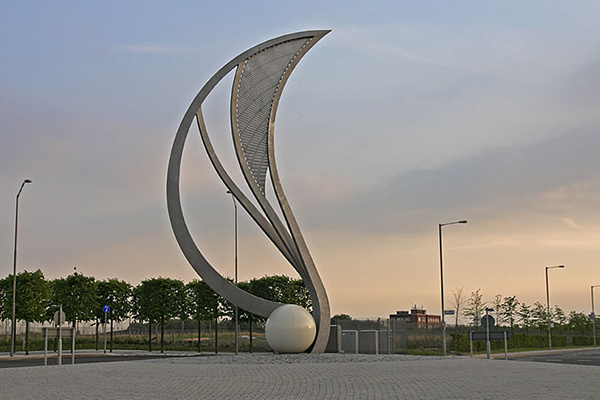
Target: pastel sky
(408, 114)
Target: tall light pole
(13, 327)
(593, 315)
(235, 273)
(442, 282)
(548, 305)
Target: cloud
(551, 176)
(158, 49)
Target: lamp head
(28, 181)
(464, 221)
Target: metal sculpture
(262, 72)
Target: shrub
(582, 341)
(460, 342)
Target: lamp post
(235, 273)
(548, 305)
(13, 327)
(442, 282)
(593, 315)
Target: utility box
(384, 341)
(334, 344)
(350, 342)
(368, 342)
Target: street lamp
(548, 305)
(235, 217)
(442, 282)
(13, 327)
(593, 315)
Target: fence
(396, 335)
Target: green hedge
(460, 342)
(583, 341)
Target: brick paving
(304, 376)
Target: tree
(33, 295)
(77, 295)
(340, 317)
(525, 316)
(158, 300)
(560, 319)
(282, 289)
(475, 307)
(116, 295)
(508, 311)
(142, 308)
(246, 316)
(300, 294)
(458, 302)
(539, 316)
(496, 304)
(5, 303)
(205, 305)
(197, 293)
(579, 322)
(183, 311)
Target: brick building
(418, 317)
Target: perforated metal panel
(259, 81)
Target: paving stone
(304, 376)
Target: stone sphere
(290, 329)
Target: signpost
(593, 318)
(489, 322)
(59, 316)
(490, 335)
(58, 333)
(106, 309)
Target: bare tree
(497, 304)
(509, 311)
(524, 314)
(475, 307)
(458, 303)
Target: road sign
(106, 309)
(64, 332)
(63, 318)
(494, 335)
(488, 319)
(448, 312)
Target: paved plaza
(304, 376)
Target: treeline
(154, 301)
(508, 311)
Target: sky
(408, 114)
